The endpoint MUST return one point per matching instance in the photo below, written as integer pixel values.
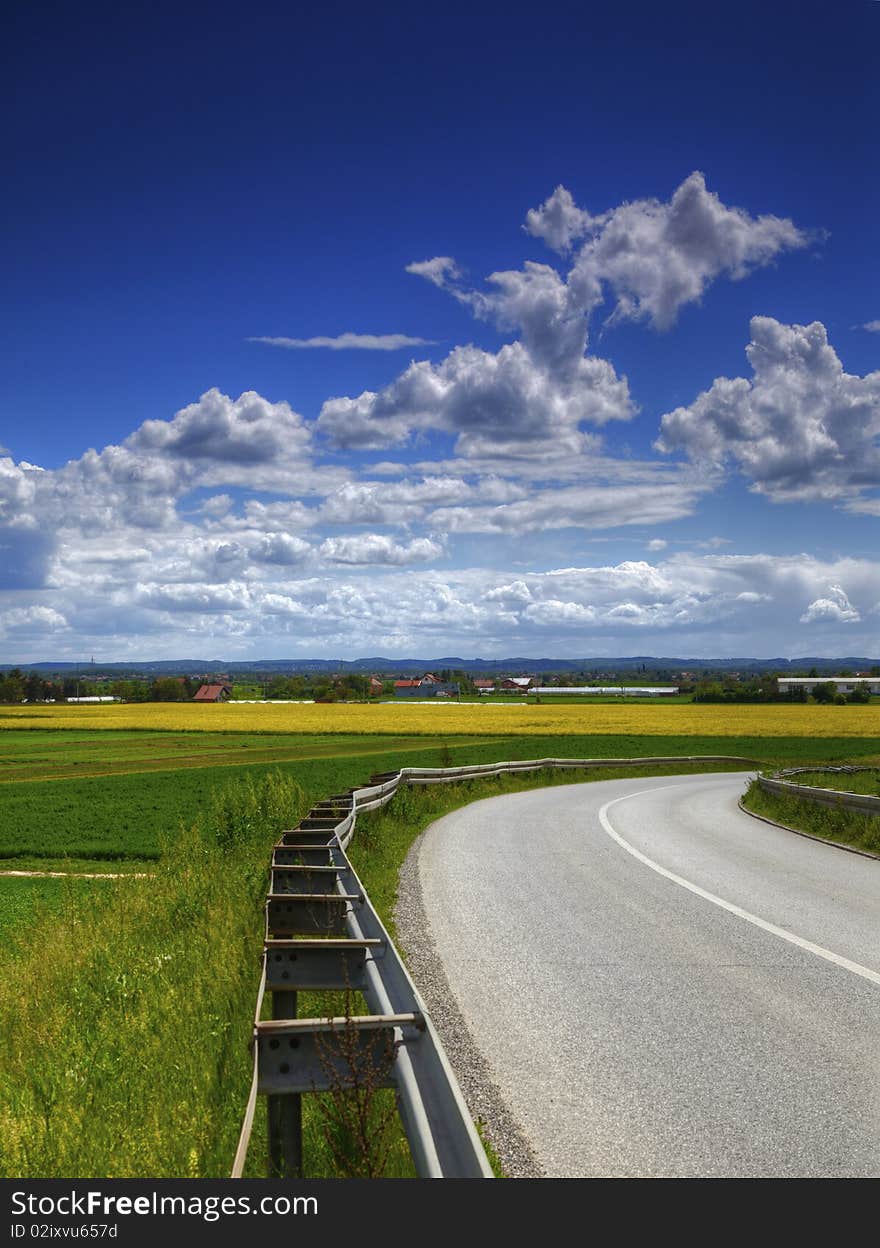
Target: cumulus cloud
(836, 607)
(246, 430)
(517, 592)
(559, 221)
(650, 257)
(705, 603)
(369, 548)
(504, 402)
(801, 428)
(280, 548)
(197, 598)
(656, 257)
(216, 506)
(230, 520)
(349, 342)
(32, 620)
(535, 395)
(27, 542)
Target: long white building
(629, 691)
(844, 684)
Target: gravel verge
(473, 1072)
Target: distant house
(430, 679)
(213, 693)
(419, 690)
(516, 684)
(484, 686)
(376, 686)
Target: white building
(626, 691)
(843, 684)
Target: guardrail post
(285, 1112)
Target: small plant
(358, 1123)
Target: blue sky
(633, 401)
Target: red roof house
(213, 693)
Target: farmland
(120, 788)
(112, 795)
(514, 718)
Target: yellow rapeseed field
(516, 718)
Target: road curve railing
(778, 782)
(323, 934)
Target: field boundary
(315, 892)
(811, 836)
(862, 802)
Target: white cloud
(587, 507)
(689, 603)
(873, 327)
(534, 396)
(217, 506)
(221, 526)
(195, 598)
(505, 403)
(280, 548)
(36, 620)
(515, 593)
(554, 612)
(440, 271)
(651, 257)
(371, 548)
(802, 428)
(559, 221)
(246, 430)
(349, 342)
(27, 542)
(836, 607)
(401, 502)
(656, 257)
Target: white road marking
(854, 967)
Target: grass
(848, 827)
(118, 817)
(26, 902)
(125, 1051)
(150, 989)
(68, 755)
(867, 782)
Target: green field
(147, 972)
(113, 795)
(25, 901)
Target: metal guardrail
(840, 798)
(323, 934)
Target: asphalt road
(637, 1027)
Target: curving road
(661, 984)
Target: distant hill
(520, 663)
